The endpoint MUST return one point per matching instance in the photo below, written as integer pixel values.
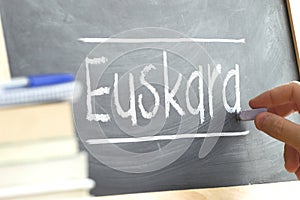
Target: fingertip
(255, 103)
(260, 119)
(252, 103)
(291, 167)
(297, 173)
(279, 128)
(291, 159)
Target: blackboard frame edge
(293, 34)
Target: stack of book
(40, 158)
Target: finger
(291, 158)
(298, 173)
(280, 95)
(279, 128)
(283, 110)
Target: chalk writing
(169, 93)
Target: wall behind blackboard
(42, 36)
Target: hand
(281, 101)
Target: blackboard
(246, 45)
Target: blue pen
(37, 80)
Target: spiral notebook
(44, 94)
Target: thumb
(279, 128)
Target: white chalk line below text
(161, 40)
(165, 137)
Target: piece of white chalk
(248, 115)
